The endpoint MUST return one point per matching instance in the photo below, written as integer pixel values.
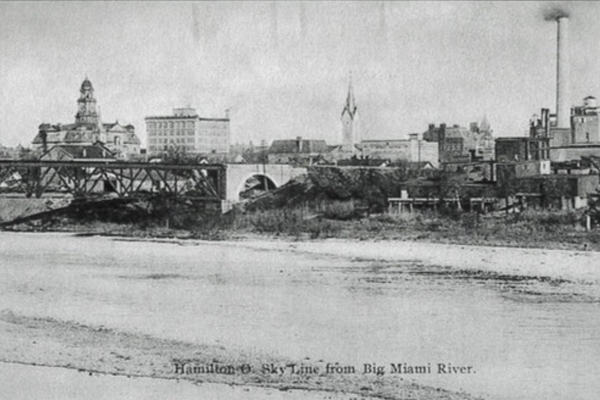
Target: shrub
(339, 210)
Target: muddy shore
(97, 350)
(62, 343)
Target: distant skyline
(282, 69)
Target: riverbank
(531, 229)
(98, 350)
(61, 335)
(197, 321)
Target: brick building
(459, 144)
(186, 132)
(412, 149)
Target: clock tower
(86, 105)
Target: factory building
(413, 149)
(185, 132)
(584, 122)
(460, 144)
(581, 139)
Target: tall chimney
(563, 110)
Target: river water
(535, 338)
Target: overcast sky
(283, 69)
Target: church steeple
(350, 106)
(350, 131)
(86, 105)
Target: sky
(283, 69)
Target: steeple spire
(350, 131)
(350, 106)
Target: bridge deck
(84, 178)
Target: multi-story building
(581, 139)
(459, 144)
(584, 122)
(522, 148)
(88, 129)
(185, 132)
(412, 149)
(298, 151)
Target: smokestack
(563, 110)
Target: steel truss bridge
(81, 179)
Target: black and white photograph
(299, 200)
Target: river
(535, 338)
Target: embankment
(19, 206)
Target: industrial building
(413, 150)
(185, 132)
(459, 144)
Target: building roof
(86, 84)
(82, 152)
(130, 138)
(83, 133)
(453, 132)
(80, 137)
(298, 146)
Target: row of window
(223, 141)
(186, 132)
(171, 133)
(185, 124)
(188, 148)
(171, 124)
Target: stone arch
(262, 182)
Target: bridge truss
(127, 179)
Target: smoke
(555, 12)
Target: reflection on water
(526, 337)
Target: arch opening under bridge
(255, 185)
(241, 177)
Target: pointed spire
(350, 105)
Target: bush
(339, 210)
